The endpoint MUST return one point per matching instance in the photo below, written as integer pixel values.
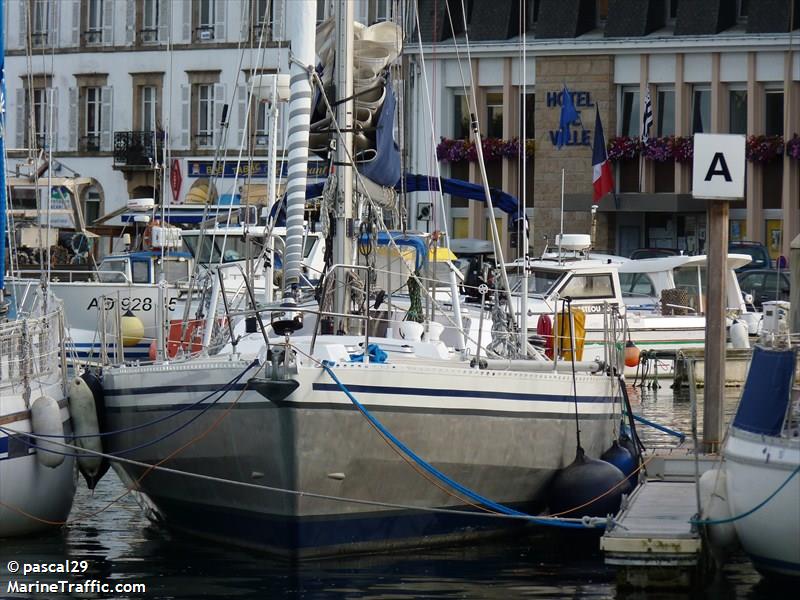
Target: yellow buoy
(132, 329)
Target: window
(701, 111)
(322, 9)
(39, 98)
(141, 271)
(773, 112)
(92, 205)
(460, 117)
(672, 10)
(636, 284)
(204, 109)
(742, 10)
(494, 114)
(527, 112)
(90, 141)
(630, 112)
(149, 31)
(737, 111)
(148, 100)
(40, 22)
(262, 18)
(379, 10)
(665, 113)
(93, 33)
(588, 286)
(602, 10)
(531, 14)
(263, 124)
(205, 20)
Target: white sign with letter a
(718, 166)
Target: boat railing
(30, 347)
(58, 275)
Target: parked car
(758, 252)
(654, 253)
(765, 285)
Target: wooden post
(717, 247)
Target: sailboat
(339, 441)
(37, 481)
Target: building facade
(711, 66)
(109, 88)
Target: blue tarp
(384, 169)
(767, 391)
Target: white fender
(739, 333)
(714, 505)
(83, 411)
(46, 420)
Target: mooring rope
(752, 510)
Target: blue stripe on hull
(328, 535)
(775, 566)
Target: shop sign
(257, 168)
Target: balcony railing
(137, 149)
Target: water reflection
(121, 545)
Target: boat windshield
(235, 248)
(540, 282)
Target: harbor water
(120, 545)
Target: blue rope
(672, 432)
(749, 512)
(225, 387)
(553, 521)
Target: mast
(300, 23)
(3, 108)
(343, 76)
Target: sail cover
(767, 391)
(384, 169)
(423, 183)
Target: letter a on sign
(718, 166)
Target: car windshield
(755, 252)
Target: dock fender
(714, 505)
(46, 420)
(86, 406)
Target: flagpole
(561, 235)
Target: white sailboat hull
(503, 434)
(756, 466)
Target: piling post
(794, 281)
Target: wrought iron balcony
(137, 150)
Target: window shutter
(185, 96)
(54, 121)
(108, 22)
(130, 23)
(22, 122)
(219, 104)
(106, 125)
(164, 20)
(75, 22)
(52, 34)
(276, 28)
(73, 119)
(219, 20)
(241, 93)
(23, 25)
(187, 21)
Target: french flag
(602, 179)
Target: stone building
(712, 66)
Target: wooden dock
(652, 541)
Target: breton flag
(647, 118)
(602, 179)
